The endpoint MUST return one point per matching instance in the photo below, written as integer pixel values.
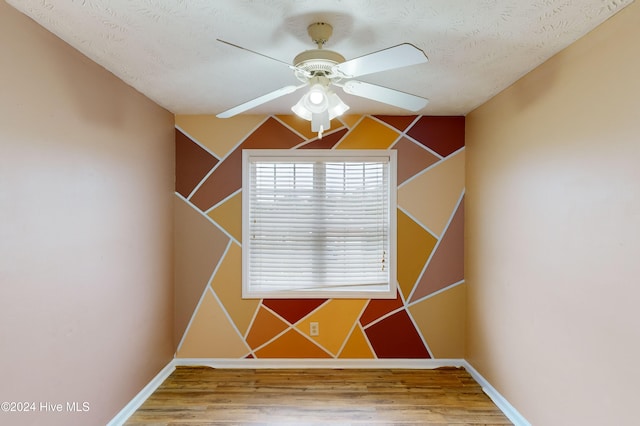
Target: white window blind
(319, 222)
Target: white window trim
(388, 293)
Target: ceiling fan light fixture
(301, 111)
(318, 101)
(317, 95)
(336, 106)
(315, 101)
(320, 122)
(319, 105)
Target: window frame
(389, 156)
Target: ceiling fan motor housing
(318, 62)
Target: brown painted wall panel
(443, 134)
(198, 248)
(400, 122)
(412, 159)
(446, 266)
(224, 181)
(396, 337)
(192, 164)
(227, 178)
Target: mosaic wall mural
(426, 320)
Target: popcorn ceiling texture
(167, 49)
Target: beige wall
(86, 193)
(553, 233)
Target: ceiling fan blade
(402, 55)
(292, 67)
(258, 101)
(385, 95)
(257, 53)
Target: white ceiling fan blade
(385, 95)
(258, 101)
(264, 56)
(402, 55)
(254, 52)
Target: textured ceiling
(167, 49)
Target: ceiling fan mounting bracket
(320, 32)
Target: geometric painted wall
(426, 319)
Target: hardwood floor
(207, 396)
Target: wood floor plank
(207, 396)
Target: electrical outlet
(314, 329)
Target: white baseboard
(142, 396)
(504, 406)
(319, 363)
(508, 410)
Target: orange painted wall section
(425, 320)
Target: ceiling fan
(320, 68)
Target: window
(319, 223)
